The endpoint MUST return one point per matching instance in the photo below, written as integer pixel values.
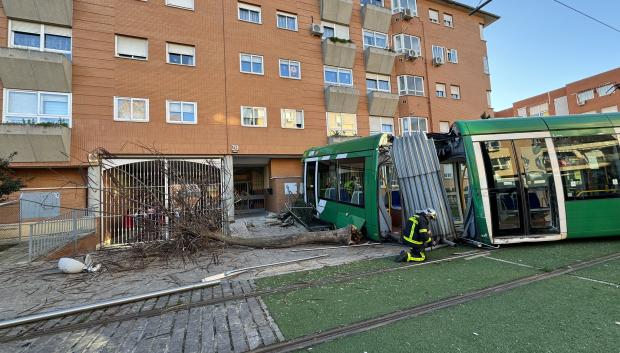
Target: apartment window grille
(131, 109)
(132, 47)
(375, 39)
(455, 92)
(178, 112)
(401, 5)
(24, 107)
(249, 13)
(184, 4)
(180, 54)
(290, 69)
(410, 85)
(251, 64)
(448, 21)
(433, 16)
(254, 116)
(411, 124)
(440, 90)
(341, 124)
(453, 56)
(286, 21)
(338, 76)
(405, 42)
(375, 82)
(292, 118)
(35, 36)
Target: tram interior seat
(396, 200)
(330, 193)
(533, 200)
(508, 202)
(357, 198)
(344, 195)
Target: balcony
(58, 12)
(382, 103)
(338, 52)
(376, 18)
(35, 143)
(35, 70)
(338, 11)
(340, 99)
(379, 61)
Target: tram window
(351, 177)
(590, 166)
(328, 180)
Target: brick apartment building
(591, 95)
(251, 84)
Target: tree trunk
(338, 236)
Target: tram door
(522, 192)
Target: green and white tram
(511, 180)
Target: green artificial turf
(608, 272)
(315, 309)
(559, 315)
(553, 255)
(346, 269)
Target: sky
(540, 45)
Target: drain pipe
(206, 282)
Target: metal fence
(50, 234)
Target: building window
(444, 127)
(455, 92)
(433, 16)
(132, 47)
(489, 103)
(375, 39)
(485, 65)
(290, 69)
(27, 35)
(331, 30)
(612, 109)
(401, 5)
(481, 28)
(184, 4)
(412, 124)
(605, 90)
(249, 13)
(583, 97)
(372, 2)
(180, 54)
(251, 64)
(589, 166)
(338, 76)
(453, 56)
(254, 116)
(131, 109)
(375, 82)
(287, 21)
(381, 125)
(410, 85)
(522, 112)
(439, 54)
(540, 110)
(181, 112)
(405, 42)
(448, 21)
(292, 119)
(36, 107)
(440, 90)
(341, 124)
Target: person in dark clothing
(417, 234)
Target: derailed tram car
(506, 180)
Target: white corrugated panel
(132, 46)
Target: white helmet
(430, 213)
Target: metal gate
(142, 199)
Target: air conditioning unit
(411, 54)
(406, 14)
(438, 61)
(316, 29)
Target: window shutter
(59, 31)
(189, 4)
(181, 49)
(25, 27)
(132, 46)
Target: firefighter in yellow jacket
(418, 235)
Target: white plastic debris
(69, 265)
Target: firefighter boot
(402, 257)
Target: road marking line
(509, 262)
(597, 281)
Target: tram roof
(355, 145)
(533, 124)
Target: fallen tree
(338, 236)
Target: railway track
(171, 303)
(366, 325)
(196, 298)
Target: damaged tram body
(503, 180)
